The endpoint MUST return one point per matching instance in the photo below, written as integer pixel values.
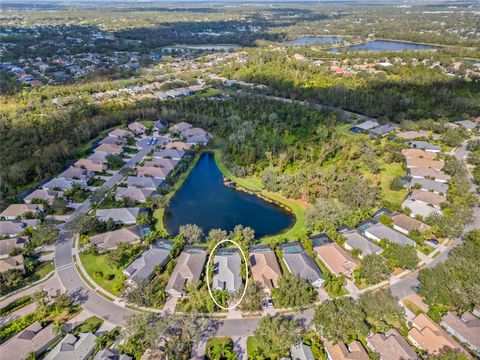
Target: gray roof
(226, 270)
(144, 182)
(198, 139)
(119, 215)
(15, 227)
(98, 156)
(300, 263)
(134, 193)
(367, 125)
(433, 185)
(301, 352)
(73, 347)
(7, 245)
(467, 124)
(357, 241)
(383, 130)
(108, 354)
(381, 231)
(58, 183)
(424, 145)
(143, 266)
(420, 208)
(169, 153)
(188, 269)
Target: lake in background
(384, 45)
(204, 200)
(315, 39)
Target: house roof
(14, 227)
(198, 139)
(109, 354)
(144, 265)
(467, 326)
(428, 197)
(424, 145)
(188, 269)
(427, 184)
(169, 153)
(181, 126)
(109, 149)
(180, 145)
(90, 164)
(337, 260)
(75, 173)
(339, 351)
(119, 133)
(99, 156)
(429, 173)
(265, 267)
(381, 231)
(412, 134)
(357, 241)
(33, 339)
(42, 194)
(162, 162)
(110, 239)
(15, 210)
(194, 132)
(73, 347)
(418, 153)
(11, 263)
(121, 215)
(424, 163)
(137, 127)
(419, 208)
(467, 124)
(112, 140)
(156, 172)
(8, 245)
(409, 224)
(391, 346)
(367, 125)
(429, 336)
(134, 193)
(301, 352)
(144, 182)
(383, 129)
(300, 263)
(226, 269)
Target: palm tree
(222, 350)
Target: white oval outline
(246, 275)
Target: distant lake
(384, 45)
(204, 200)
(315, 39)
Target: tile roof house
(137, 128)
(265, 267)
(72, 347)
(162, 163)
(430, 337)
(12, 263)
(418, 153)
(100, 156)
(8, 245)
(337, 260)
(127, 216)
(34, 339)
(109, 240)
(424, 163)
(405, 224)
(465, 328)
(379, 231)
(14, 211)
(226, 270)
(429, 185)
(301, 352)
(42, 194)
(109, 149)
(119, 133)
(188, 270)
(134, 193)
(174, 154)
(92, 165)
(428, 197)
(180, 145)
(467, 124)
(408, 135)
(143, 266)
(391, 346)
(424, 145)
(354, 240)
(144, 182)
(77, 175)
(180, 127)
(16, 227)
(153, 171)
(112, 140)
(60, 184)
(428, 173)
(194, 132)
(198, 139)
(301, 264)
(339, 351)
(418, 208)
(109, 354)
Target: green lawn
(92, 324)
(388, 172)
(96, 182)
(426, 249)
(40, 272)
(251, 346)
(215, 341)
(97, 267)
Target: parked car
(270, 303)
(434, 241)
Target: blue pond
(384, 45)
(315, 40)
(204, 200)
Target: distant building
(42, 194)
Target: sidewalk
(240, 347)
